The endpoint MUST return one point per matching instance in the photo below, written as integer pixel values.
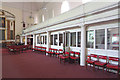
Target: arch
(6, 13)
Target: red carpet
(34, 65)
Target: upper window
(2, 22)
(113, 39)
(79, 39)
(73, 39)
(60, 39)
(100, 39)
(65, 6)
(55, 39)
(90, 39)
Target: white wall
(53, 9)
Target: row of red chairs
(103, 61)
(53, 52)
(18, 48)
(64, 57)
(40, 48)
(70, 57)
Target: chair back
(102, 58)
(93, 57)
(60, 51)
(66, 53)
(113, 60)
(72, 53)
(77, 54)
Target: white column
(83, 46)
(21, 38)
(34, 40)
(105, 38)
(94, 40)
(26, 40)
(48, 41)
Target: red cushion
(60, 55)
(74, 57)
(64, 57)
(90, 61)
(51, 52)
(57, 53)
(100, 63)
(112, 66)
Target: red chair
(72, 54)
(49, 52)
(57, 53)
(52, 52)
(102, 61)
(113, 64)
(64, 57)
(76, 57)
(91, 59)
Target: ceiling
(27, 6)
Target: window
(11, 34)
(65, 6)
(112, 39)
(100, 39)
(79, 39)
(60, 39)
(90, 39)
(55, 39)
(2, 32)
(2, 22)
(51, 39)
(38, 40)
(73, 39)
(67, 39)
(45, 39)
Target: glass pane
(79, 39)
(60, 39)
(113, 39)
(38, 40)
(51, 39)
(55, 39)
(67, 39)
(45, 39)
(90, 39)
(100, 39)
(11, 34)
(2, 32)
(73, 39)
